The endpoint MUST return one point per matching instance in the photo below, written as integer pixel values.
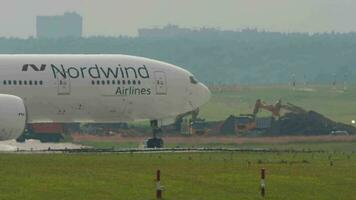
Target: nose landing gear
(155, 141)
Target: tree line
(223, 57)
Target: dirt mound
(308, 123)
(296, 121)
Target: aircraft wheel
(154, 143)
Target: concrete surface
(35, 145)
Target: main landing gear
(155, 141)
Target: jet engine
(12, 117)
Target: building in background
(167, 31)
(61, 26)
(174, 31)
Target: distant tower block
(61, 26)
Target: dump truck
(250, 122)
(244, 124)
(198, 127)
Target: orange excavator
(249, 122)
(276, 108)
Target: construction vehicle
(198, 127)
(286, 119)
(48, 132)
(45, 132)
(244, 123)
(103, 128)
(276, 108)
(180, 118)
(195, 125)
(249, 122)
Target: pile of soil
(297, 121)
(308, 123)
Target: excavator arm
(274, 109)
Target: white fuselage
(99, 88)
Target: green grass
(338, 105)
(110, 144)
(184, 175)
(205, 176)
(339, 146)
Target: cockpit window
(193, 80)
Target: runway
(35, 145)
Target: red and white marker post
(158, 185)
(263, 186)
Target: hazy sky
(124, 17)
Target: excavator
(276, 108)
(250, 122)
(196, 125)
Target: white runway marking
(35, 145)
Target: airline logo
(34, 67)
(94, 72)
(99, 72)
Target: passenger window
(93, 82)
(25, 82)
(15, 82)
(98, 82)
(193, 80)
(113, 82)
(41, 82)
(123, 82)
(134, 82)
(118, 82)
(9, 82)
(35, 82)
(129, 82)
(20, 82)
(30, 82)
(139, 82)
(103, 82)
(108, 82)
(4, 82)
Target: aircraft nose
(201, 95)
(206, 94)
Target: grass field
(337, 104)
(184, 175)
(338, 146)
(200, 176)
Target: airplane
(92, 89)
